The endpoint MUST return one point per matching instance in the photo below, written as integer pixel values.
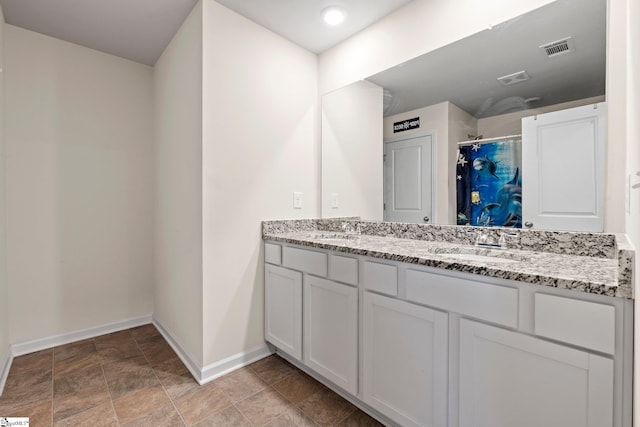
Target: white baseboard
(224, 366)
(27, 347)
(5, 365)
(186, 358)
(210, 372)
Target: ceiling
(300, 21)
(140, 30)
(466, 71)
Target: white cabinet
(283, 309)
(331, 331)
(563, 161)
(405, 361)
(511, 379)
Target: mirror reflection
(480, 90)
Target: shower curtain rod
(486, 140)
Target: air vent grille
(559, 47)
(511, 79)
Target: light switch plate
(297, 200)
(334, 200)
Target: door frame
(433, 133)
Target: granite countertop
(604, 272)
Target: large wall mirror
(481, 87)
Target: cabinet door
(510, 379)
(283, 309)
(563, 160)
(331, 331)
(405, 361)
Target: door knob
(528, 224)
(426, 219)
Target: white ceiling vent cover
(559, 47)
(511, 79)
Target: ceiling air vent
(511, 79)
(559, 47)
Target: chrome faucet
(349, 227)
(487, 240)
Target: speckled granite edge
(600, 245)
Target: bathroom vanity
(420, 327)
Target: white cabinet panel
(272, 253)
(405, 361)
(331, 331)
(563, 161)
(510, 379)
(381, 277)
(583, 323)
(498, 304)
(343, 269)
(309, 261)
(283, 309)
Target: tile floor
(133, 378)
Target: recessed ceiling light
(333, 15)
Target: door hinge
(384, 157)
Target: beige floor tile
(229, 417)
(99, 416)
(297, 387)
(74, 357)
(166, 416)
(202, 403)
(25, 389)
(359, 419)
(263, 407)
(241, 384)
(117, 346)
(272, 369)
(292, 417)
(128, 375)
(140, 403)
(145, 331)
(39, 414)
(38, 360)
(78, 392)
(326, 407)
(176, 378)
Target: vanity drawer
(305, 260)
(343, 269)
(381, 278)
(493, 303)
(272, 253)
(583, 323)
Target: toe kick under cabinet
(419, 346)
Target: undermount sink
(336, 238)
(481, 258)
(482, 255)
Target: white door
(405, 361)
(331, 331)
(563, 161)
(283, 309)
(407, 180)
(510, 379)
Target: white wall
(78, 135)
(511, 123)
(4, 291)
(178, 179)
(417, 28)
(633, 170)
(259, 146)
(352, 148)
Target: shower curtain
(489, 184)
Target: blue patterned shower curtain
(489, 183)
